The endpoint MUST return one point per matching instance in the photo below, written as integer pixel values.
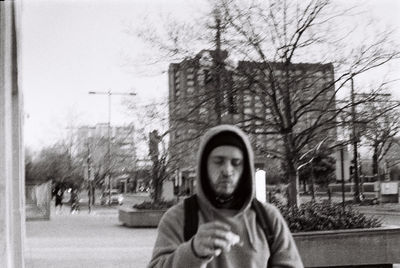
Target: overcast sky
(68, 48)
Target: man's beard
(224, 198)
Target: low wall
(356, 247)
(349, 187)
(139, 217)
(37, 201)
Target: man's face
(225, 167)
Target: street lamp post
(109, 93)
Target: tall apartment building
(241, 99)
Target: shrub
(154, 205)
(324, 216)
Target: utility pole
(217, 66)
(355, 144)
(90, 177)
(109, 94)
(342, 175)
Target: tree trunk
(93, 194)
(157, 181)
(312, 182)
(293, 187)
(292, 172)
(375, 164)
(159, 191)
(293, 193)
(156, 193)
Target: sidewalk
(381, 210)
(389, 207)
(86, 240)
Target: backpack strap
(191, 217)
(262, 220)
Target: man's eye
(236, 162)
(218, 161)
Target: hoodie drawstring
(250, 234)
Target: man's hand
(214, 237)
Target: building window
(203, 111)
(259, 122)
(248, 110)
(247, 98)
(190, 89)
(177, 88)
(258, 105)
(207, 76)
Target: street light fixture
(110, 93)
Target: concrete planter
(345, 248)
(131, 217)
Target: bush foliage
(154, 205)
(310, 216)
(324, 216)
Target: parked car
(143, 189)
(116, 198)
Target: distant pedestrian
(58, 200)
(74, 201)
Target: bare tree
(54, 163)
(284, 32)
(382, 124)
(154, 135)
(151, 129)
(271, 39)
(393, 157)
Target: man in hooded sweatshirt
(228, 234)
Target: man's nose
(227, 169)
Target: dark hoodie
(172, 251)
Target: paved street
(83, 240)
(389, 213)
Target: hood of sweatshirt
(245, 191)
